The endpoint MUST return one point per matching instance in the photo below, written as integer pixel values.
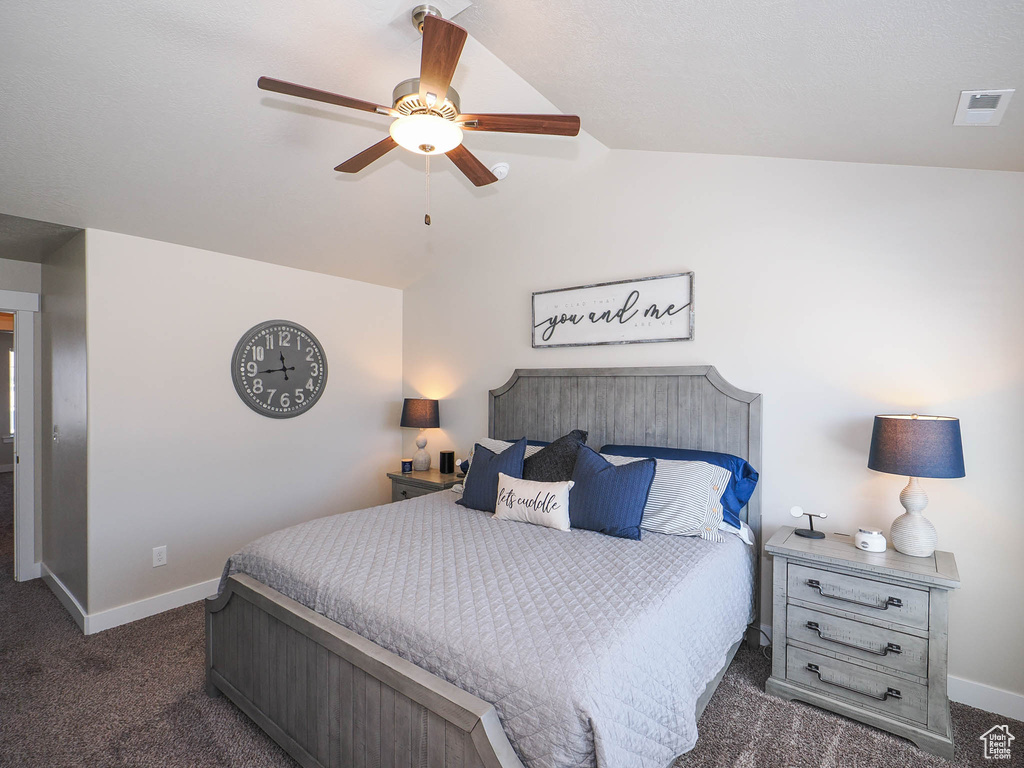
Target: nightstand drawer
(861, 686)
(876, 599)
(403, 491)
(884, 647)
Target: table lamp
(916, 446)
(420, 413)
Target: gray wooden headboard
(677, 407)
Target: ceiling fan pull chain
(426, 216)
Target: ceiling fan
(428, 111)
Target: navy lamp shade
(421, 413)
(916, 446)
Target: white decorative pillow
(685, 497)
(528, 501)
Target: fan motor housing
(406, 100)
(420, 12)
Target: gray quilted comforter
(594, 650)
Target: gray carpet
(134, 696)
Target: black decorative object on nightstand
(447, 462)
(808, 533)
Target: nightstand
(863, 634)
(412, 484)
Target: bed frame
(332, 698)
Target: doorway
(17, 432)
(7, 402)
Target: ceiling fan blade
(442, 46)
(555, 125)
(291, 89)
(467, 163)
(367, 156)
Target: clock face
(279, 369)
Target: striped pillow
(685, 497)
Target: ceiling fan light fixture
(429, 119)
(426, 134)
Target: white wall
(175, 457)
(839, 291)
(19, 275)
(64, 406)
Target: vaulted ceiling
(145, 118)
(870, 81)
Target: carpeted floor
(134, 696)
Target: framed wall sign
(640, 311)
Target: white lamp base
(421, 459)
(912, 533)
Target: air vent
(982, 108)
(985, 101)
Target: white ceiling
(145, 118)
(872, 81)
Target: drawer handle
(895, 602)
(405, 494)
(889, 647)
(889, 692)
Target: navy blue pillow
(741, 486)
(481, 487)
(464, 464)
(609, 499)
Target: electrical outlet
(159, 556)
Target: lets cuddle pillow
(529, 501)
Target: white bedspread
(594, 650)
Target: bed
(436, 606)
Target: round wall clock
(279, 369)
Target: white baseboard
(124, 614)
(91, 623)
(63, 594)
(29, 572)
(1005, 703)
(978, 695)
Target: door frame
(24, 306)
